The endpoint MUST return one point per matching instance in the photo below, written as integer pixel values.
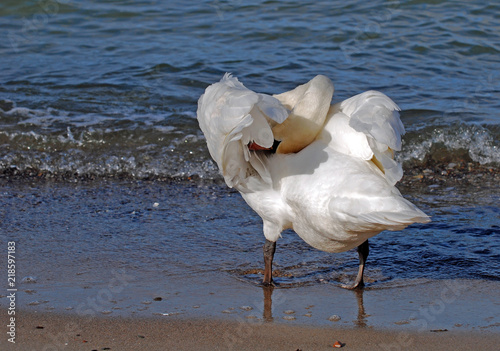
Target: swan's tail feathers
(394, 213)
(377, 116)
(232, 116)
(376, 222)
(394, 221)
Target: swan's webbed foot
(356, 285)
(363, 251)
(270, 284)
(269, 250)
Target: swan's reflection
(361, 320)
(268, 303)
(267, 315)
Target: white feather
(377, 115)
(231, 116)
(368, 126)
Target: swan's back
(335, 201)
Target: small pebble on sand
(402, 322)
(334, 318)
(28, 279)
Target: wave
(458, 142)
(55, 144)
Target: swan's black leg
(363, 251)
(269, 249)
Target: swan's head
(309, 104)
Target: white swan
(331, 178)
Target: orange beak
(256, 147)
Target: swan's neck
(309, 104)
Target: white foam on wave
(477, 140)
(57, 141)
(98, 152)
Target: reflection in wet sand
(268, 303)
(267, 314)
(361, 320)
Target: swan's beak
(253, 146)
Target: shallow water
(175, 229)
(194, 250)
(102, 162)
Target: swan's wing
(375, 114)
(231, 116)
(368, 126)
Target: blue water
(99, 81)
(97, 91)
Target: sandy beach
(437, 315)
(48, 331)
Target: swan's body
(332, 182)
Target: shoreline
(411, 305)
(423, 173)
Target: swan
(325, 171)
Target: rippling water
(102, 89)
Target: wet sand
(47, 331)
(236, 315)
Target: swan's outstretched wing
(231, 116)
(368, 126)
